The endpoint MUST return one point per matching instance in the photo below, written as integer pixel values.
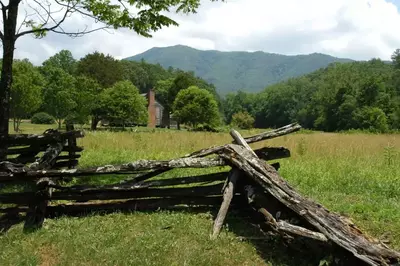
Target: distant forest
(341, 96)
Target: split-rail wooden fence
(250, 183)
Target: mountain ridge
(231, 71)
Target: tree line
(98, 86)
(342, 96)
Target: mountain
(231, 71)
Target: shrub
(42, 118)
(243, 120)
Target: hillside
(231, 71)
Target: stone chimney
(151, 108)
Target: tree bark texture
(8, 40)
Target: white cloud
(358, 29)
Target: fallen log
(337, 229)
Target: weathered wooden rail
(251, 183)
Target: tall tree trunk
(18, 124)
(15, 124)
(8, 40)
(95, 121)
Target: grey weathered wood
(49, 157)
(274, 133)
(139, 165)
(301, 231)
(259, 137)
(227, 198)
(281, 227)
(338, 229)
(228, 189)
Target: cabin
(156, 111)
(154, 108)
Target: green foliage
(238, 102)
(63, 60)
(343, 96)
(243, 120)
(59, 94)
(372, 118)
(26, 91)
(195, 106)
(123, 104)
(42, 118)
(104, 69)
(86, 98)
(232, 71)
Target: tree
(123, 103)
(396, 58)
(168, 89)
(148, 17)
(59, 94)
(238, 102)
(243, 120)
(26, 91)
(105, 69)
(196, 106)
(63, 60)
(86, 90)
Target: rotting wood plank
(338, 229)
(228, 189)
(139, 165)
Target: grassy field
(353, 174)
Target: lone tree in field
(196, 106)
(122, 103)
(43, 16)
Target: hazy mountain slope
(231, 71)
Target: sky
(356, 29)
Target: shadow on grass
(245, 224)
